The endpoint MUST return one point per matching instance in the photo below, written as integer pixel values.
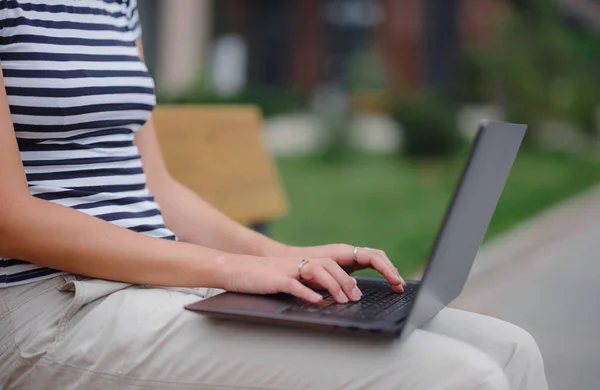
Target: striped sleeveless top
(78, 92)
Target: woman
(82, 238)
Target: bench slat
(217, 151)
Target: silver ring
(355, 254)
(303, 262)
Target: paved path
(545, 277)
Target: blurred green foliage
(335, 129)
(429, 126)
(271, 101)
(366, 71)
(472, 85)
(539, 68)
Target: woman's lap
(140, 336)
(508, 345)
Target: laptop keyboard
(376, 303)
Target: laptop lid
(467, 218)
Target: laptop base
(281, 309)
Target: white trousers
(76, 333)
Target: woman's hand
(344, 255)
(263, 275)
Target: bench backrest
(217, 151)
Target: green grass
(396, 205)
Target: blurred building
(305, 43)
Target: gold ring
(303, 262)
(355, 254)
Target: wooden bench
(217, 151)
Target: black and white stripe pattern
(77, 92)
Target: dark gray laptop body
(473, 203)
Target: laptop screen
(467, 218)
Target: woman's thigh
(142, 338)
(511, 347)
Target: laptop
(381, 311)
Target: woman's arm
(189, 216)
(58, 237)
(195, 221)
